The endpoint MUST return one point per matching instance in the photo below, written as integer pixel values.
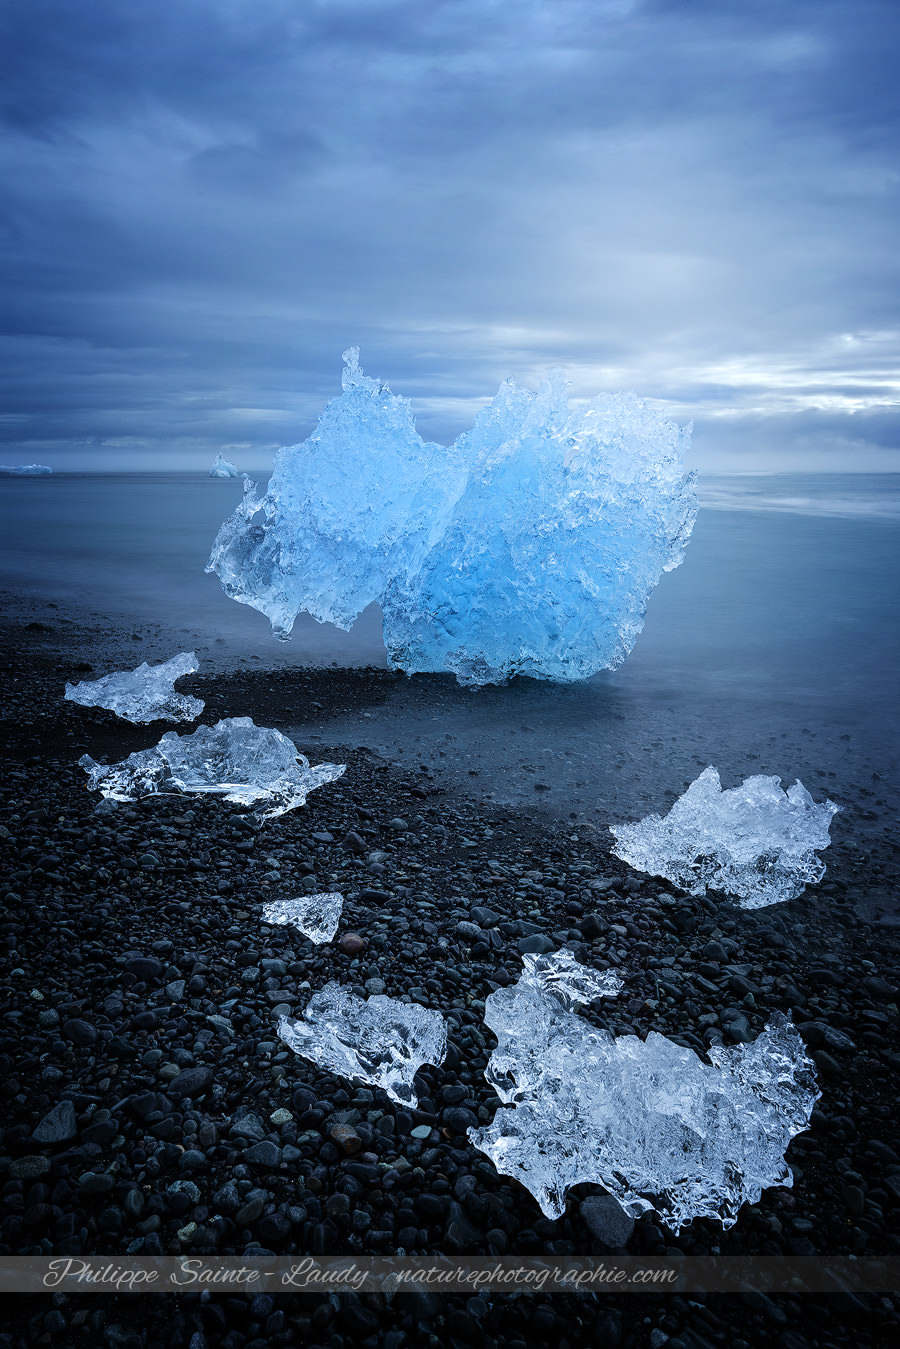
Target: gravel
(149, 1106)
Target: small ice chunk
(648, 1120)
(570, 982)
(316, 916)
(250, 765)
(25, 470)
(755, 842)
(222, 468)
(144, 694)
(378, 1040)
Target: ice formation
(648, 1120)
(25, 470)
(378, 1040)
(250, 765)
(222, 468)
(144, 694)
(316, 916)
(528, 546)
(755, 842)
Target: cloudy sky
(205, 201)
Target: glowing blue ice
(528, 546)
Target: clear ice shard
(528, 546)
(316, 916)
(377, 1040)
(250, 765)
(144, 694)
(755, 842)
(25, 470)
(648, 1120)
(222, 468)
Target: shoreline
(181, 881)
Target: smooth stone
(58, 1125)
(352, 943)
(485, 918)
(264, 1154)
(606, 1220)
(144, 967)
(537, 945)
(28, 1168)
(95, 1185)
(191, 1081)
(80, 1032)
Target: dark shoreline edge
(84, 890)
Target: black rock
(273, 1228)
(227, 1200)
(356, 1319)
(58, 1126)
(592, 925)
(95, 1185)
(144, 1104)
(102, 1133)
(191, 1081)
(458, 1119)
(538, 945)
(264, 1154)
(80, 1032)
(485, 918)
(606, 1220)
(302, 1100)
(144, 967)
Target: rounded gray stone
(58, 1125)
(606, 1220)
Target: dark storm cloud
(206, 200)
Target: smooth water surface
(773, 648)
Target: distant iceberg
(755, 842)
(529, 546)
(25, 470)
(222, 469)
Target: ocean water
(774, 648)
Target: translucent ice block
(251, 765)
(528, 546)
(316, 916)
(144, 694)
(755, 842)
(378, 1040)
(648, 1120)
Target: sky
(206, 201)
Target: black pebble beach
(149, 1107)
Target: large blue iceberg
(529, 546)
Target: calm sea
(774, 648)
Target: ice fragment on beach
(250, 765)
(378, 1040)
(755, 842)
(569, 982)
(144, 694)
(25, 470)
(223, 469)
(648, 1120)
(316, 916)
(528, 546)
